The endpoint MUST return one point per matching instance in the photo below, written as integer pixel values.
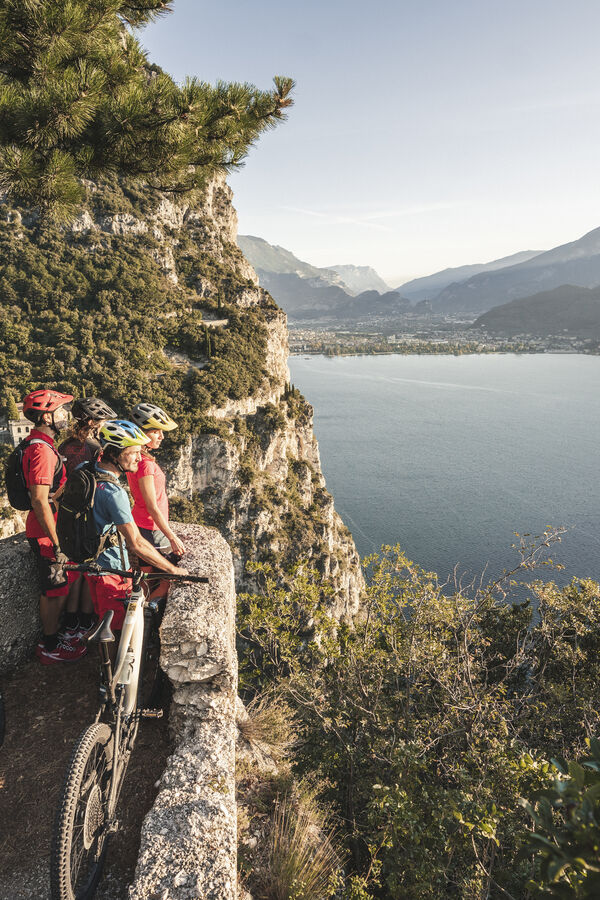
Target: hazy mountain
(429, 286)
(277, 260)
(372, 303)
(307, 292)
(361, 278)
(566, 310)
(575, 263)
(302, 297)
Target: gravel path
(46, 709)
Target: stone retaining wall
(19, 602)
(189, 838)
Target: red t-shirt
(39, 466)
(141, 516)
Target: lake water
(449, 456)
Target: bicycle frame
(86, 815)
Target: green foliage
(96, 319)
(184, 509)
(78, 97)
(426, 721)
(566, 839)
(11, 408)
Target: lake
(449, 456)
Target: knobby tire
(80, 838)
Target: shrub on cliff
(95, 314)
(427, 721)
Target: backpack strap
(26, 442)
(108, 538)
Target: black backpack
(14, 477)
(77, 533)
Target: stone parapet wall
(19, 602)
(189, 838)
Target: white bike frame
(129, 654)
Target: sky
(424, 134)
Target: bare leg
(50, 610)
(85, 598)
(73, 597)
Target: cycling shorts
(44, 551)
(157, 539)
(108, 592)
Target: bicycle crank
(151, 713)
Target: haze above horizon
(423, 136)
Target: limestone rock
(19, 601)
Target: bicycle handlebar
(92, 569)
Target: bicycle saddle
(102, 631)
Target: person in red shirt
(45, 475)
(82, 445)
(148, 484)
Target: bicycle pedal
(112, 827)
(151, 713)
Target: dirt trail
(46, 709)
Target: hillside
(144, 297)
(575, 263)
(567, 310)
(307, 292)
(277, 260)
(427, 287)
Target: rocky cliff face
(251, 467)
(259, 477)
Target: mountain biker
(148, 483)
(121, 442)
(82, 445)
(45, 475)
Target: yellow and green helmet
(121, 433)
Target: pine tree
(11, 409)
(79, 98)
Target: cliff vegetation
(424, 727)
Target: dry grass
(303, 862)
(269, 727)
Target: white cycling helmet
(148, 415)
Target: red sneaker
(63, 652)
(71, 635)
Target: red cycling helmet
(43, 401)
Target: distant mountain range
(308, 292)
(537, 293)
(576, 263)
(566, 311)
(429, 286)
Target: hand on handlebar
(177, 570)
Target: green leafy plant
(566, 837)
(424, 723)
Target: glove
(58, 576)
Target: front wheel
(80, 838)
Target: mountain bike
(86, 815)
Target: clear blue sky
(425, 134)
